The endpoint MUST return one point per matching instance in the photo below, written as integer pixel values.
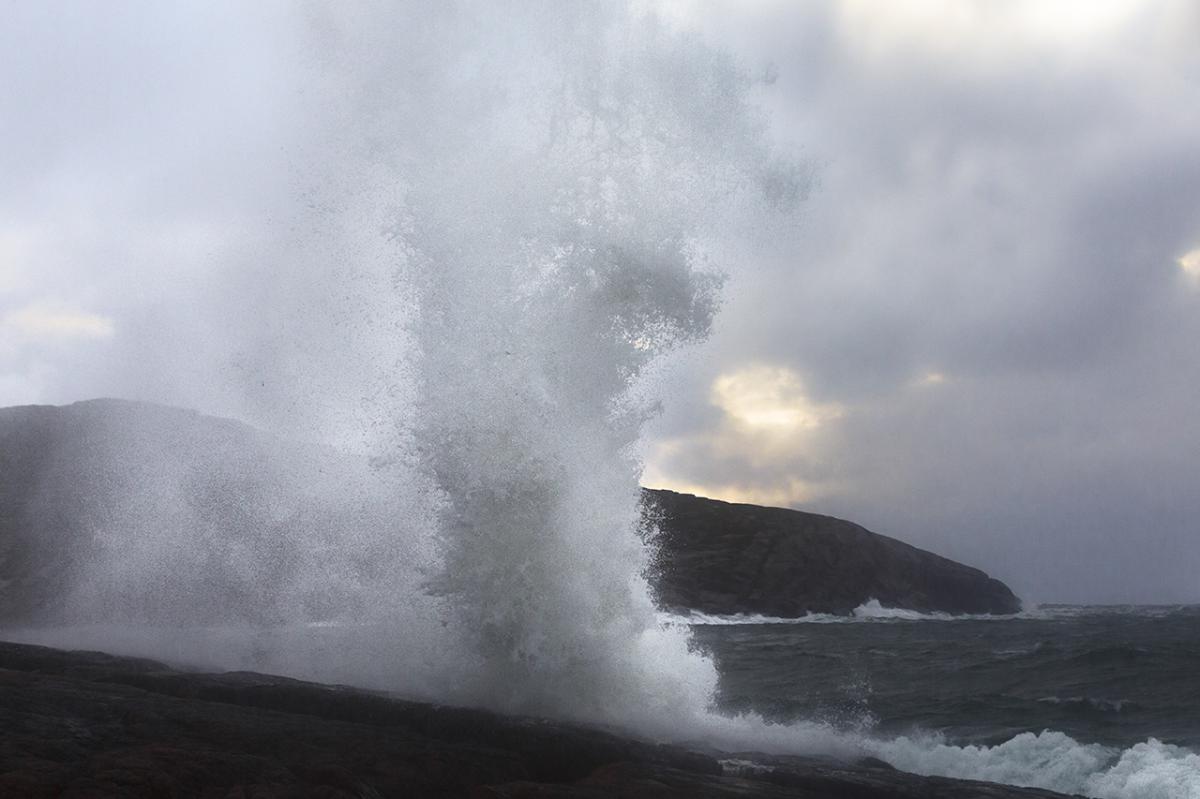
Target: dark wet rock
(723, 558)
(80, 724)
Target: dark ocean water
(1103, 702)
(1106, 685)
(1112, 675)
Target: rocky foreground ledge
(86, 724)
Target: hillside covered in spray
(124, 512)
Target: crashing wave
(696, 618)
(1088, 703)
(869, 611)
(1056, 761)
(874, 611)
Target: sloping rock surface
(723, 558)
(86, 724)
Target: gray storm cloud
(980, 338)
(989, 284)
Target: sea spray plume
(560, 180)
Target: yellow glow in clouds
(48, 322)
(1190, 264)
(769, 399)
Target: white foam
(1150, 770)
(1055, 761)
(874, 611)
(869, 611)
(696, 618)
(1095, 703)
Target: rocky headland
(222, 521)
(725, 558)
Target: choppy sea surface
(1103, 701)
(1098, 701)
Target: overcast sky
(982, 336)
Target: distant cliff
(724, 558)
(126, 511)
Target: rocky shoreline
(87, 724)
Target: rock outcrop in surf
(116, 510)
(725, 558)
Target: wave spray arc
(552, 223)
